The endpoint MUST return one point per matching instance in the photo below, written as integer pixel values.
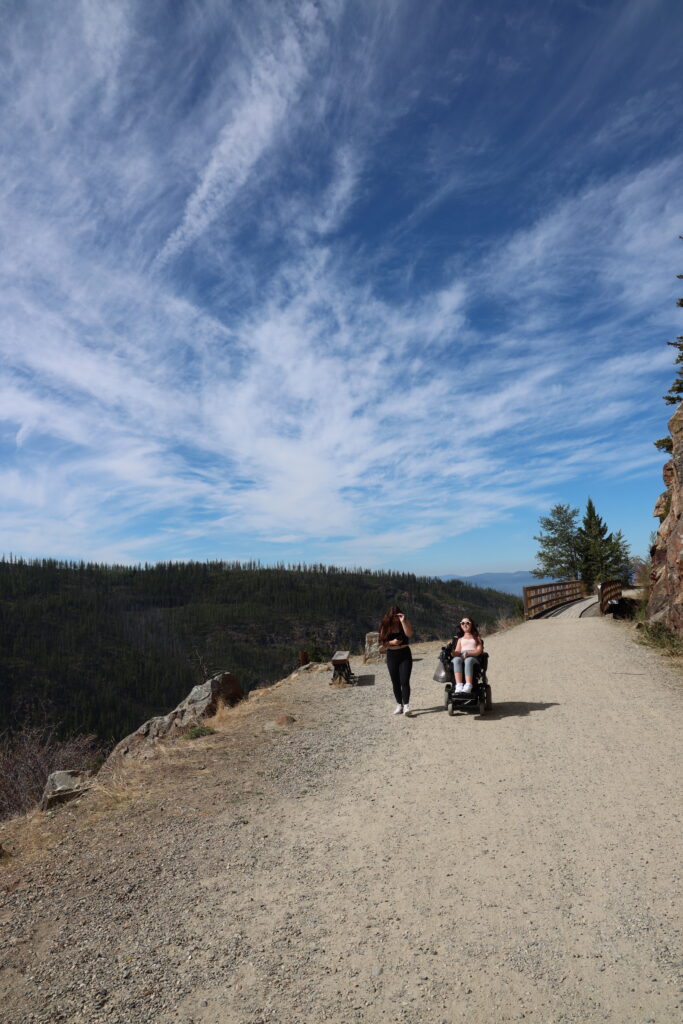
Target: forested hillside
(106, 647)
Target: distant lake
(508, 582)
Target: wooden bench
(341, 668)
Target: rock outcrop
(666, 578)
(372, 650)
(202, 702)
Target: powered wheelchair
(480, 699)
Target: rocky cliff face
(666, 579)
(202, 702)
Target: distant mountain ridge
(508, 582)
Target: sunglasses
(465, 622)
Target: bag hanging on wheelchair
(441, 672)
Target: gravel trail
(356, 866)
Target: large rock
(63, 786)
(372, 650)
(202, 702)
(666, 578)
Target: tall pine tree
(603, 555)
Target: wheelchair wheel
(446, 698)
(489, 699)
(483, 708)
(451, 709)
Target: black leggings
(400, 664)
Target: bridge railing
(542, 598)
(607, 593)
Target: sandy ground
(357, 866)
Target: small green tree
(558, 553)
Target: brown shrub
(28, 756)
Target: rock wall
(666, 578)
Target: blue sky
(368, 283)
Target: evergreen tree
(558, 553)
(587, 552)
(593, 543)
(619, 561)
(603, 555)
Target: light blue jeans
(468, 663)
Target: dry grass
(25, 836)
(29, 837)
(659, 636)
(222, 717)
(123, 793)
(28, 756)
(117, 792)
(505, 623)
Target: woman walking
(394, 636)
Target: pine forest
(102, 648)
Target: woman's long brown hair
(385, 624)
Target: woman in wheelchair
(466, 653)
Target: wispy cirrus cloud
(229, 323)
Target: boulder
(282, 721)
(63, 786)
(285, 720)
(372, 650)
(202, 702)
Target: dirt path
(360, 867)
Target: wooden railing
(542, 598)
(607, 593)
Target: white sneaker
(467, 688)
(458, 687)
(399, 709)
(406, 709)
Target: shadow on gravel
(365, 680)
(427, 711)
(514, 708)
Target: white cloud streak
(141, 409)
